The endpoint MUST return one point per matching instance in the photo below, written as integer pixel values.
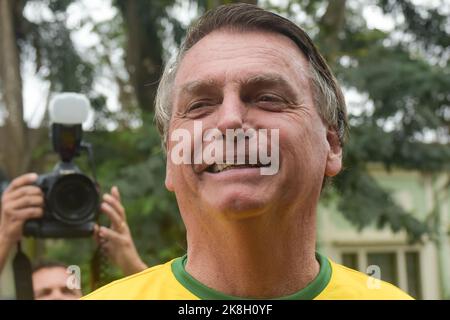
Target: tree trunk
(14, 146)
(331, 25)
(143, 50)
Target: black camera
(71, 197)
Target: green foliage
(50, 45)
(66, 70)
(410, 99)
(399, 84)
(428, 25)
(363, 202)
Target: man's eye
(270, 102)
(269, 98)
(43, 293)
(68, 291)
(198, 105)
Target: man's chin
(236, 207)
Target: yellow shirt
(170, 281)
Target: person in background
(22, 201)
(50, 282)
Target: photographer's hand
(20, 201)
(116, 240)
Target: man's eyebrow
(199, 85)
(270, 80)
(267, 78)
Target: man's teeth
(217, 167)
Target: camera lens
(73, 198)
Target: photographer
(22, 201)
(50, 282)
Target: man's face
(255, 80)
(51, 284)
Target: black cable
(99, 261)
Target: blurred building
(423, 269)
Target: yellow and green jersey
(171, 281)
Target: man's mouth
(217, 167)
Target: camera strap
(98, 266)
(22, 275)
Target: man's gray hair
(241, 17)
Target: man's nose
(231, 114)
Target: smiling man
(251, 235)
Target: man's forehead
(255, 36)
(53, 273)
(239, 53)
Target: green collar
(203, 292)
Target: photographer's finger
(22, 180)
(112, 201)
(26, 202)
(108, 234)
(115, 192)
(116, 221)
(24, 191)
(29, 213)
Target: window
(350, 260)
(401, 267)
(387, 263)
(413, 274)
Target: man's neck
(254, 257)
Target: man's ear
(169, 178)
(334, 157)
(169, 181)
